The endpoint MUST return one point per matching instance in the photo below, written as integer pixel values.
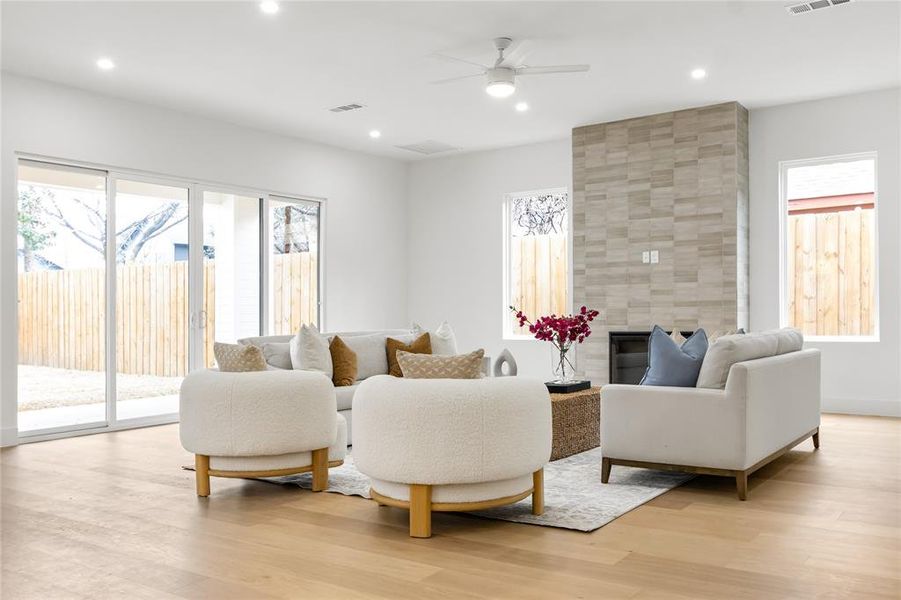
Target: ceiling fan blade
(452, 79)
(552, 69)
(445, 57)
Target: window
(536, 267)
(829, 212)
(294, 264)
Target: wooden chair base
(319, 467)
(741, 476)
(421, 506)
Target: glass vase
(564, 363)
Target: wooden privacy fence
(538, 276)
(61, 314)
(830, 272)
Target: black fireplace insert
(628, 356)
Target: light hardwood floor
(114, 516)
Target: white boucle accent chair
(452, 444)
(261, 424)
(769, 405)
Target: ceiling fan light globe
(500, 89)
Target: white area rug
(574, 496)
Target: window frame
(784, 167)
(507, 331)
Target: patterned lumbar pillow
(421, 345)
(432, 366)
(344, 363)
(670, 364)
(236, 358)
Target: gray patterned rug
(574, 496)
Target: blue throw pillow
(670, 365)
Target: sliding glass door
(125, 282)
(153, 298)
(62, 222)
(232, 291)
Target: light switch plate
(655, 257)
(646, 257)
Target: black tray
(567, 388)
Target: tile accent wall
(677, 183)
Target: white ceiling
(281, 73)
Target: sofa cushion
(442, 339)
(672, 364)
(429, 366)
(344, 362)
(730, 349)
(238, 358)
(421, 345)
(309, 351)
(371, 357)
(277, 354)
(344, 395)
(788, 339)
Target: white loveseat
(769, 405)
(276, 350)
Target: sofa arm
(258, 413)
(672, 425)
(781, 397)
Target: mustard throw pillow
(421, 345)
(344, 363)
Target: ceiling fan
(501, 77)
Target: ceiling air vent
(428, 147)
(345, 108)
(805, 7)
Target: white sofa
(452, 444)
(276, 350)
(261, 424)
(769, 405)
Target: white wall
(858, 377)
(365, 241)
(456, 244)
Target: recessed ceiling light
(522, 106)
(105, 64)
(270, 7)
(698, 73)
(375, 133)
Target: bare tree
(32, 225)
(540, 214)
(294, 228)
(131, 239)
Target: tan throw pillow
(433, 366)
(344, 363)
(421, 345)
(238, 358)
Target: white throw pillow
(309, 351)
(730, 349)
(372, 357)
(443, 340)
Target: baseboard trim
(872, 407)
(9, 436)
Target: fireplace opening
(628, 356)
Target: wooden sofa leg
(538, 492)
(741, 484)
(420, 511)
(605, 470)
(816, 439)
(202, 474)
(320, 469)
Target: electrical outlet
(646, 257)
(655, 257)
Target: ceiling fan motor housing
(500, 75)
